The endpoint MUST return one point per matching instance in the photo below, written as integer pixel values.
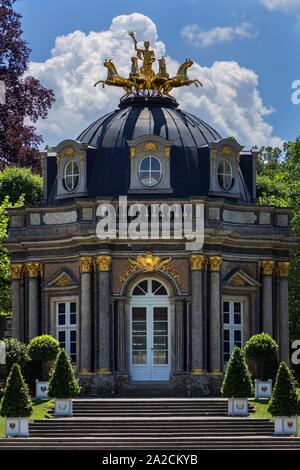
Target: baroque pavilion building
(143, 310)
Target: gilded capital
(33, 269)
(215, 263)
(16, 270)
(85, 264)
(267, 267)
(103, 263)
(197, 262)
(282, 268)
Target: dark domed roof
(108, 167)
(142, 116)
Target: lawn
(261, 410)
(41, 410)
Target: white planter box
(263, 388)
(16, 427)
(286, 425)
(63, 407)
(237, 406)
(41, 389)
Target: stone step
(213, 443)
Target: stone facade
(236, 262)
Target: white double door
(149, 341)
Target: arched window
(149, 286)
(150, 171)
(71, 175)
(224, 174)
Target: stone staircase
(123, 424)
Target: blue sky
(270, 46)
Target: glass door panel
(160, 335)
(139, 335)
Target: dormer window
(71, 175)
(225, 174)
(150, 171)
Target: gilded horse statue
(158, 81)
(143, 80)
(114, 79)
(181, 78)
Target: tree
(26, 98)
(16, 402)
(20, 182)
(284, 401)
(261, 355)
(63, 383)
(278, 183)
(44, 349)
(237, 381)
(5, 277)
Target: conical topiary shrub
(237, 381)
(63, 383)
(16, 401)
(284, 401)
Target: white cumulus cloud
(195, 35)
(229, 100)
(285, 5)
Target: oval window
(224, 174)
(71, 175)
(150, 171)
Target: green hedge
(44, 349)
(261, 355)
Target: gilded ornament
(33, 269)
(149, 263)
(237, 280)
(16, 270)
(267, 267)
(215, 263)
(150, 147)
(103, 262)
(85, 264)
(282, 268)
(64, 280)
(144, 80)
(197, 262)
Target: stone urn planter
(16, 427)
(63, 407)
(41, 388)
(263, 388)
(237, 406)
(286, 426)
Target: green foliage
(284, 401)
(278, 183)
(5, 279)
(16, 402)
(44, 349)
(261, 355)
(237, 381)
(16, 353)
(33, 370)
(63, 383)
(18, 182)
